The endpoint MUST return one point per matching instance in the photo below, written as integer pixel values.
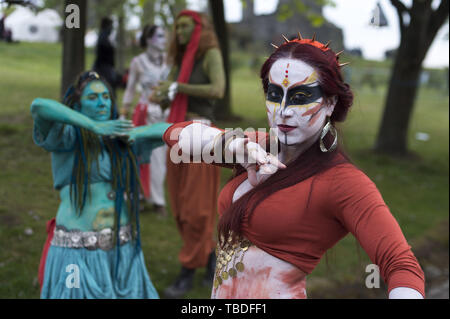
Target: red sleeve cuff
(407, 279)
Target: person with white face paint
(278, 220)
(146, 71)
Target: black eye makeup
(274, 93)
(299, 95)
(303, 94)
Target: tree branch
(400, 6)
(438, 17)
(401, 9)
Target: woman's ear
(331, 104)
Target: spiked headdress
(313, 42)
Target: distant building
(265, 29)
(355, 52)
(27, 26)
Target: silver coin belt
(92, 240)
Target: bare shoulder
(213, 55)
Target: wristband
(173, 88)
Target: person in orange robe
(196, 80)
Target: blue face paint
(96, 101)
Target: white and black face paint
(294, 101)
(158, 40)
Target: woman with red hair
(274, 228)
(196, 80)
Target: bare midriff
(262, 276)
(98, 212)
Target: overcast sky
(353, 17)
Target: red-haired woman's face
(295, 103)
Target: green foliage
(54, 4)
(286, 11)
(106, 8)
(316, 19)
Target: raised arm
(45, 112)
(200, 142)
(153, 132)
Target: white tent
(30, 27)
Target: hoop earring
(328, 128)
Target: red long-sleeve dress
(290, 231)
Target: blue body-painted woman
(94, 249)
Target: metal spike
(339, 53)
(328, 43)
(285, 39)
(300, 36)
(313, 38)
(344, 64)
(274, 46)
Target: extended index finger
(275, 161)
(252, 178)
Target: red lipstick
(286, 128)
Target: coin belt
(229, 260)
(91, 240)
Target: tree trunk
(416, 38)
(73, 59)
(223, 106)
(121, 42)
(403, 87)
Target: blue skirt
(79, 273)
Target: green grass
(416, 189)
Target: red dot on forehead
(287, 67)
(286, 77)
